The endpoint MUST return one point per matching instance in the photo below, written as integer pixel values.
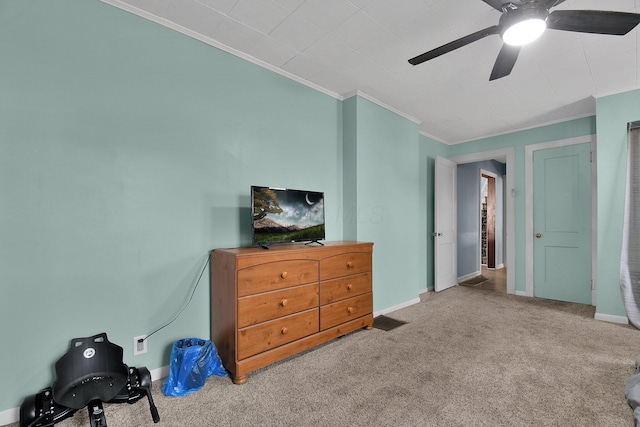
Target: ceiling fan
(524, 21)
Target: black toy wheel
(28, 411)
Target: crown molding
(435, 138)
(362, 94)
(212, 42)
(616, 92)
(539, 125)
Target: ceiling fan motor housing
(527, 13)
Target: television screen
(285, 215)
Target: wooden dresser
(270, 304)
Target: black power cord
(141, 340)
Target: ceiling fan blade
(434, 53)
(505, 62)
(593, 21)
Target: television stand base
(267, 246)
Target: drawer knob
(284, 274)
(284, 331)
(349, 264)
(349, 286)
(284, 302)
(350, 310)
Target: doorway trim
(528, 177)
(506, 156)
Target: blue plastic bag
(193, 360)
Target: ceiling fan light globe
(524, 32)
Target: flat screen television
(286, 215)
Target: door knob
(538, 235)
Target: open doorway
(505, 242)
(479, 217)
(491, 233)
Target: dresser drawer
(268, 335)
(344, 265)
(344, 287)
(276, 275)
(271, 305)
(346, 310)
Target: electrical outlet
(139, 345)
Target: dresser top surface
(290, 248)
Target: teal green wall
(388, 200)
(519, 140)
(613, 114)
(128, 151)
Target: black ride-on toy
(90, 373)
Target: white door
(445, 229)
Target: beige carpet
(466, 357)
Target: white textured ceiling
(344, 46)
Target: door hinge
(590, 156)
(592, 287)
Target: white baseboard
(611, 318)
(9, 416)
(12, 415)
(469, 276)
(397, 307)
(598, 316)
(160, 373)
